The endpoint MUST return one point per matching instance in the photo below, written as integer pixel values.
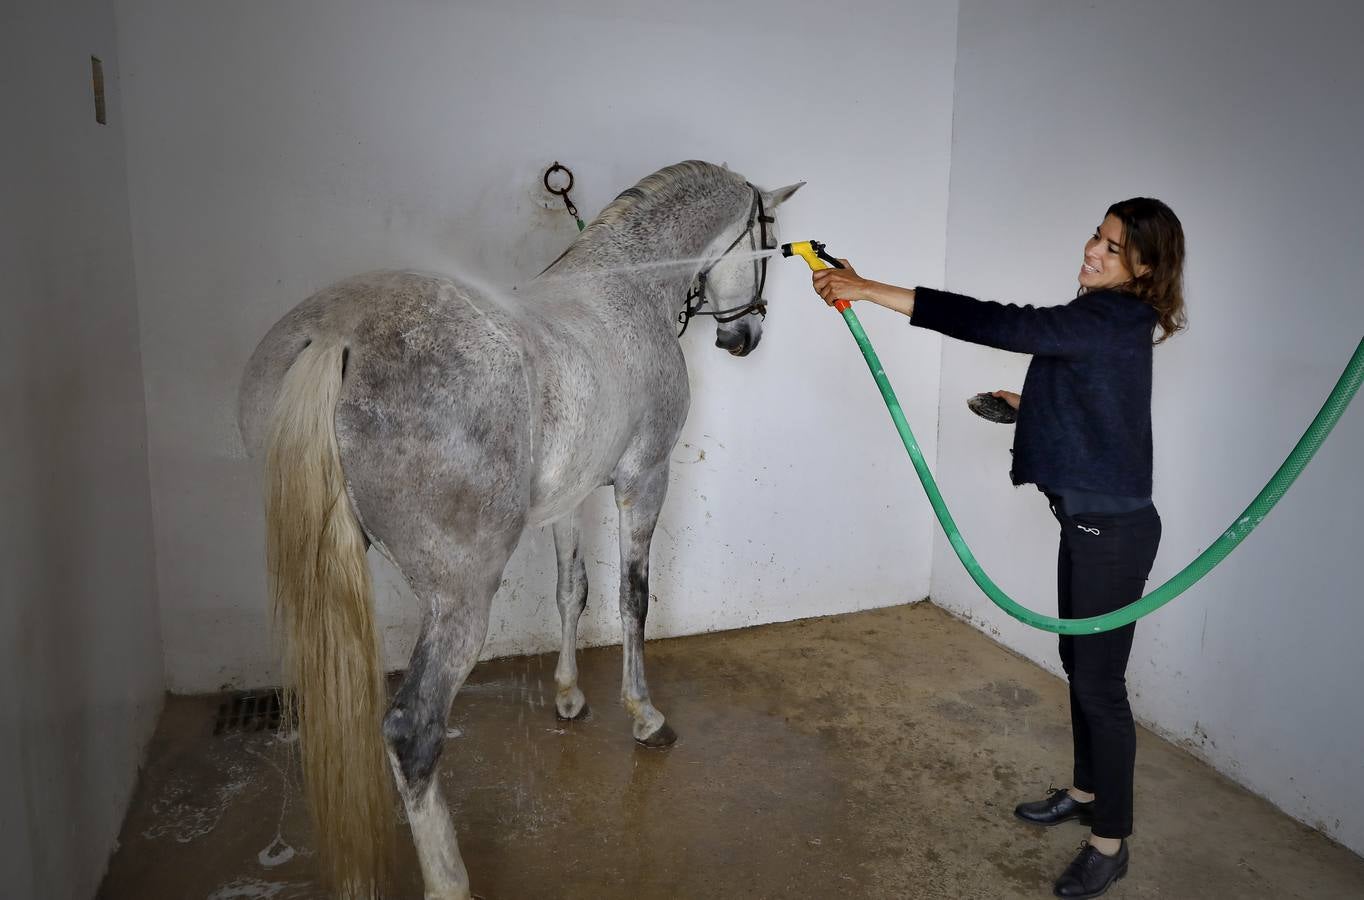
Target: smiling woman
(1105, 264)
(1084, 438)
(1150, 246)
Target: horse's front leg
(571, 593)
(639, 500)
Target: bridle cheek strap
(696, 297)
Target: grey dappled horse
(436, 420)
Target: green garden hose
(1244, 524)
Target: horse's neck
(682, 233)
(686, 232)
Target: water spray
(815, 256)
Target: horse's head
(733, 284)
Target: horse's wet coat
(464, 416)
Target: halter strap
(696, 296)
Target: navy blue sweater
(1085, 419)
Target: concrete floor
(871, 755)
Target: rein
(696, 296)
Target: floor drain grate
(248, 711)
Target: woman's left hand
(1008, 397)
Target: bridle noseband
(696, 296)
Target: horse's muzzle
(739, 342)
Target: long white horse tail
(320, 588)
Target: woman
(1083, 437)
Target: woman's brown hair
(1154, 239)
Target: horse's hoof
(661, 739)
(582, 716)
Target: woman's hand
(846, 284)
(1008, 397)
(841, 284)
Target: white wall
(274, 150)
(1250, 124)
(277, 147)
(80, 652)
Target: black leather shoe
(1091, 873)
(1059, 807)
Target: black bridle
(696, 297)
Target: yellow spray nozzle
(809, 251)
(816, 258)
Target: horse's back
(400, 329)
(438, 375)
(434, 398)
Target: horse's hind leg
(571, 593)
(458, 588)
(638, 500)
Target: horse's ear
(781, 195)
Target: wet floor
(877, 754)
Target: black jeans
(1103, 565)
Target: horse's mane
(659, 188)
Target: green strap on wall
(1245, 523)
